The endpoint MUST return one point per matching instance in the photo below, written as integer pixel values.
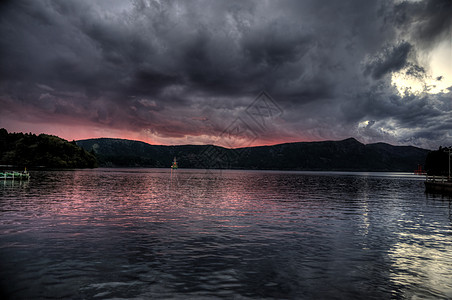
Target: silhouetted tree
(437, 162)
(27, 150)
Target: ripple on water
(230, 234)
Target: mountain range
(344, 155)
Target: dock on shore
(438, 184)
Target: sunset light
(434, 79)
(180, 73)
(226, 149)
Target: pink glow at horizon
(80, 132)
(182, 72)
(71, 132)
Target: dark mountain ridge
(345, 155)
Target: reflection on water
(147, 233)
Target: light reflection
(14, 183)
(310, 229)
(423, 260)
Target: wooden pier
(438, 184)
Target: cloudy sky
(187, 72)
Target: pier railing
(433, 178)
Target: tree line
(437, 162)
(31, 150)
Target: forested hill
(30, 150)
(346, 155)
(437, 162)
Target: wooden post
(448, 176)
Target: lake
(200, 234)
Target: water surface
(147, 233)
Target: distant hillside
(346, 155)
(30, 150)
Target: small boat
(174, 165)
(14, 175)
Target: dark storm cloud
(391, 59)
(178, 68)
(427, 21)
